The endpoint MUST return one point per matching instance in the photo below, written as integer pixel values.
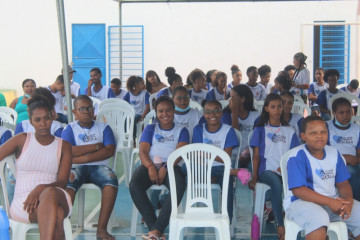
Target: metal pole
(64, 56)
(120, 40)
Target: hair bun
(234, 69)
(170, 72)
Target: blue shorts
(100, 175)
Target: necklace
(276, 131)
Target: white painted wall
(183, 35)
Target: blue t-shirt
(197, 96)
(304, 170)
(5, 134)
(273, 142)
(99, 132)
(223, 138)
(164, 92)
(163, 141)
(139, 101)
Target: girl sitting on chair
(157, 141)
(43, 164)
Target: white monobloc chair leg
(260, 190)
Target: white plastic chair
(20, 229)
(260, 191)
(291, 228)
(152, 99)
(121, 120)
(199, 212)
(196, 105)
(349, 97)
(300, 107)
(297, 98)
(10, 112)
(111, 102)
(6, 118)
(96, 103)
(258, 105)
(224, 103)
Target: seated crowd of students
(62, 159)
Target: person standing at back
(301, 79)
(95, 87)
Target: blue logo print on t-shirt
(86, 138)
(207, 141)
(159, 138)
(324, 175)
(343, 140)
(276, 138)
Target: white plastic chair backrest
(9, 126)
(121, 121)
(341, 85)
(258, 105)
(300, 107)
(348, 97)
(149, 118)
(297, 98)
(152, 99)
(6, 118)
(224, 103)
(7, 162)
(199, 158)
(96, 103)
(10, 112)
(111, 102)
(195, 105)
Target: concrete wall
(183, 35)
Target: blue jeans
(62, 118)
(354, 180)
(218, 173)
(275, 182)
(100, 175)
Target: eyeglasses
(215, 111)
(179, 98)
(89, 109)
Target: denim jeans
(140, 182)
(62, 118)
(355, 180)
(275, 182)
(100, 175)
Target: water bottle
(157, 162)
(4, 225)
(255, 228)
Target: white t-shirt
(188, 120)
(25, 126)
(295, 122)
(163, 142)
(302, 77)
(304, 170)
(315, 89)
(345, 141)
(138, 101)
(75, 88)
(121, 94)
(273, 142)
(104, 93)
(79, 136)
(59, 101)
(197, 96)
(258, 91)
(223, 138)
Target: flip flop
(162, 238)
(151, 237)
(109, 237)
